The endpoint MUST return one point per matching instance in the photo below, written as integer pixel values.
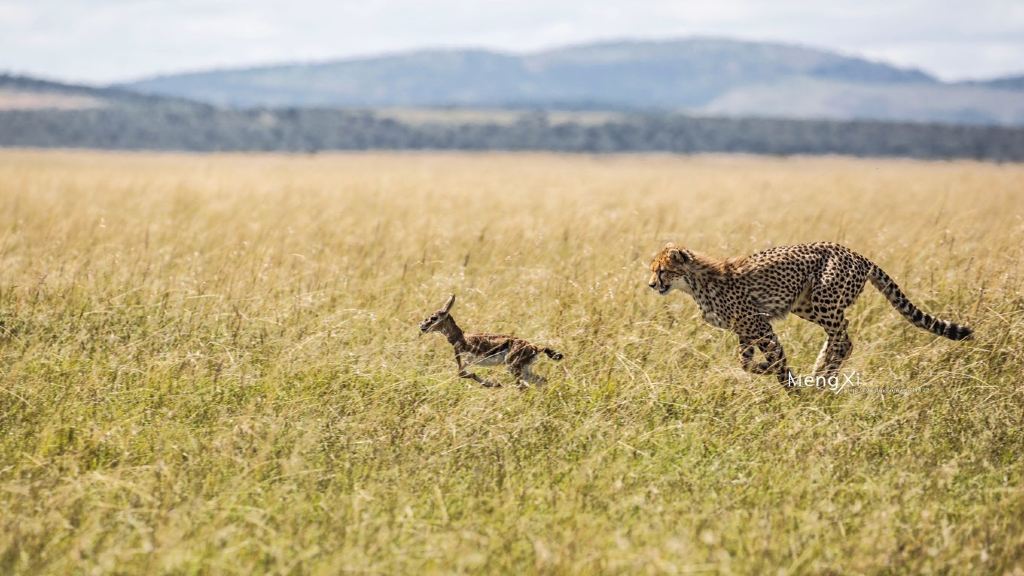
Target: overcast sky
(102, 41)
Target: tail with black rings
(888, 287)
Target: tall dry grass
(210, 364)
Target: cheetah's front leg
(776, 359)
(747, 350)
(763, 337)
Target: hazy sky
(109, 40)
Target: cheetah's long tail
(887, 286)
(552, 354)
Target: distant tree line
(188, 126)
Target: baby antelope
(487, 349)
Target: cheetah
(487, 349)
(817, 282)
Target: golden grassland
(210, 364)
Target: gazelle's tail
(552, 354)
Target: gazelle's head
(436, 321)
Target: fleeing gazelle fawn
(487, 349)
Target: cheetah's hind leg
(837, 349)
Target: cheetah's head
(668, 267)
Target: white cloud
(110, 40)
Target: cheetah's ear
(448, 305)
(678, 256)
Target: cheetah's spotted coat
(817, 282)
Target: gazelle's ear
(448, 305)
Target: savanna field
(211, 365)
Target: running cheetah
(817, 282)
(487, 349)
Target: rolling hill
(39, 113)
(28, 93)
(696, 75)
(1005, 83)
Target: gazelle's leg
(479, 380)
(521, 370)
(532, 378)
(518, 374)
(518, 362)
(463, 373)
